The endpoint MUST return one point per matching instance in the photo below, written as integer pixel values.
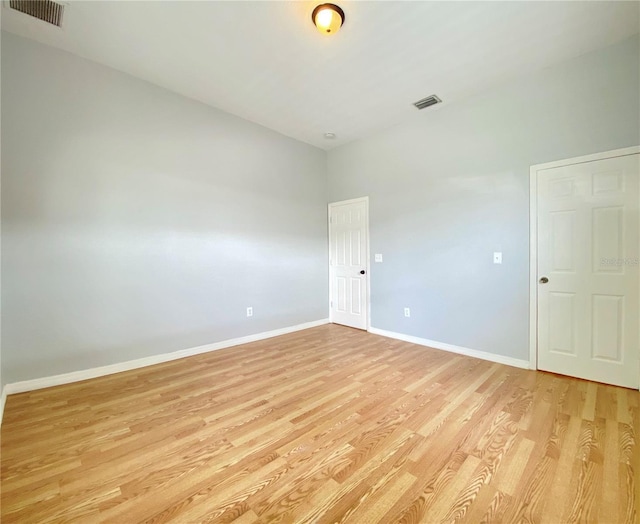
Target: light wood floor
(324, 425)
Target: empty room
(304, 262)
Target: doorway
(349, 263)
(585, 272)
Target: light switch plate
(497, 257)
(378, 257)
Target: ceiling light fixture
(328, 18)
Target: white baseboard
(77, 376)
(484, 355)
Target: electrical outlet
(249, 311)
(378, 257)
(407, 312)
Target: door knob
(362, 272)
(544, 280)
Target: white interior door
(588, 270)
(349, 257)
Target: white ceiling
(265, 62)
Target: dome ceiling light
(328, 18)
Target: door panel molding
(606, 183)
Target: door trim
(364, 199)
(533, 237)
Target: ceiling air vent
(426, 102)
(46, 10)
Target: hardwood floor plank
(629, 467)
(444, 504)
(561, 486)
(361, 484)
(389, 493)
(325, 425)
(496, 510)
(509, 476)
(610, 480)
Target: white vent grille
(46, 10)
(426, 102)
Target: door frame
(533, 237)
(331, 205)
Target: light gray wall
(137, 222)
(1, 367)
(452, 186)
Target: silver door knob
(544, 280)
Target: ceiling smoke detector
(426, 102)
(45, 10)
